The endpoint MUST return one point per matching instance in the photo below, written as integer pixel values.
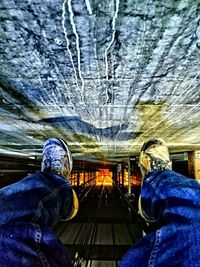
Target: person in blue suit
(170, 202)
(31, 207)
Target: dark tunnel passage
(107, 223)
(103, 230)
(104, 76)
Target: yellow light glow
(104, 177)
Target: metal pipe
(129, 177)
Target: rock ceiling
(103, 75)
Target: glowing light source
(104, 177)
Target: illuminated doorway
(104, 177)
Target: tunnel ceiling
(103, 75)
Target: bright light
(104, 177)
